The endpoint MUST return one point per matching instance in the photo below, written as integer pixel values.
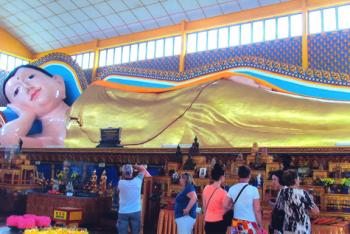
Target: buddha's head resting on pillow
(34, 94)
(33, 89)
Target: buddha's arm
(41, 141)
(53, 135)
(12, 131)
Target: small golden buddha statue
(338, 171)
(94, 182)
(103, 183)
(255, 149)
(110, 190)
(315, 164)
(240, 158)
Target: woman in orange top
(213, 203)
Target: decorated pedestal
(69, 216)
(92, 208)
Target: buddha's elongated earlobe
(62, 87)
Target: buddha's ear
(62, 86)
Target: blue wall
(330, 51)
(284, 51)
(88, 75)
(78, 167)
(170, 63)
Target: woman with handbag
(213, 203)
(277, 215)
(244, 199)
(186, 205)
(297, 205)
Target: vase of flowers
(328, 183)
(345, 183)
(61, 177)
(75, 178)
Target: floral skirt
(243, 227)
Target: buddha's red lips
(35, 94)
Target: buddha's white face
(35, 91)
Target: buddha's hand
(23, 113)
(8, 139)
(12, 131)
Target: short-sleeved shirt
(295, 203)
(130, 195)
(182, 201)
(244, 208)
(215, 206)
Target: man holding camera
(129, 189)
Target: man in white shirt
(247, 207)
(129, 189)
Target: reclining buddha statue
(221, 112)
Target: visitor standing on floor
(244, 199)
(186, 205)
(276, 186)
(129, 189)
(296, 204)
(213, 203)
(277, 215)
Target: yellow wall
(10, 45)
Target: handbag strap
(211, 197)
(239, 194)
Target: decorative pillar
(304, 44)
(183, 46)
(96, 61)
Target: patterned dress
(296, 203)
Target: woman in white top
(247, 207)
